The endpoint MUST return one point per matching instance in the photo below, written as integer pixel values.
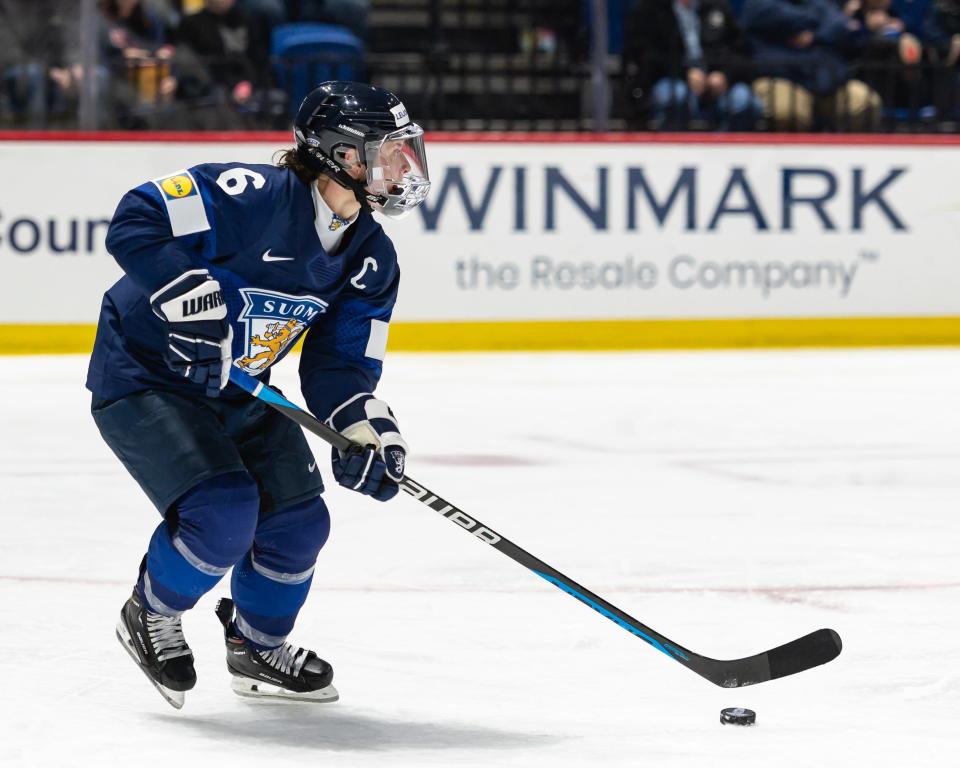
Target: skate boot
(286, 672)
(156, 643)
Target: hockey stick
(803, 653)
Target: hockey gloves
(376, 464)
(199, 336)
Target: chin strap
(319, 161)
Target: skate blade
(174, 698)
(257, 689)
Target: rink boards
(553, 242)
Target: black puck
(738, 716)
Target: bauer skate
(286, 672)
(156, 643)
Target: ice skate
(286, 672)
(156, 644)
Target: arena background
(557, 241)
(728, 494)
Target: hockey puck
(738, 716)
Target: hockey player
(229, 264)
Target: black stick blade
(803, 653)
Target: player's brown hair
(290, 158)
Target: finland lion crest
(273, 322)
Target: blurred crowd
(683, 64)
(159, 63)
(792, 64)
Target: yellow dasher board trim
(601, 335)
(588, 335)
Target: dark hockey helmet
(362, 138)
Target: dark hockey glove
(376, 465)
(199, 336)
(362, 469)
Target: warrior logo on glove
(199, 336)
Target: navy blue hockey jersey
(254, 228)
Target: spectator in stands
(29, 41)
(886, 32)
(230, 53)
(133, 30)
(942, 29)
(876, 16)
(138, 54)
(804, 50)
(40, 59)
(889, 54)
(692, 63)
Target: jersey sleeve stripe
(377, 343)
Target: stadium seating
(306, 54)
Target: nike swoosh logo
(267, 257)
(311, 467)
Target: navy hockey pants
(238, 487)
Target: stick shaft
(486, 534)
(796, 656)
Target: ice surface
(732, 501)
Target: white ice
(732, 501)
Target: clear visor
(397, 171)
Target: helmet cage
(397, 174)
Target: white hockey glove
(377, 465)
(199, 336)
